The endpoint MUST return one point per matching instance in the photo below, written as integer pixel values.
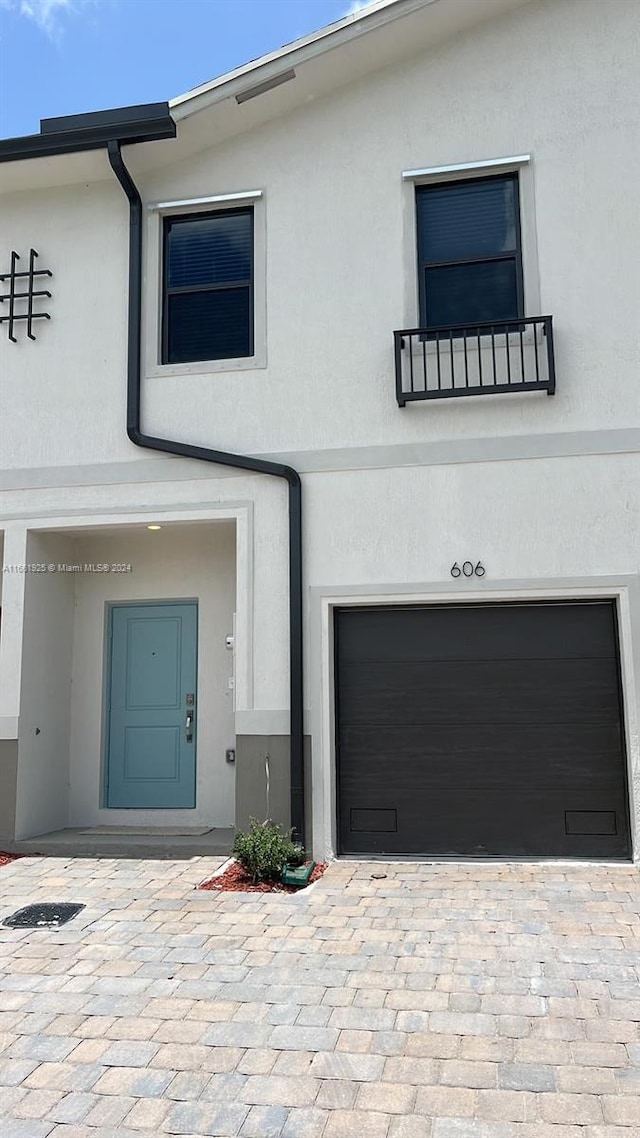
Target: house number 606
(468, 569)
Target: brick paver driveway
(447, 1001)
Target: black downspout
(222, 458)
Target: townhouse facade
(320, 487)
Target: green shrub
(265, 850)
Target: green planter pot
(297, 875)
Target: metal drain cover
(42, 916)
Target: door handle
(188, 727)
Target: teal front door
(151, 743)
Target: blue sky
(61, 57)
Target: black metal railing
(489, 358)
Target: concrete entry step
(136, 842)
(149, 831)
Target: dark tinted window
(483, 291)
(469, 251)
(208, 289)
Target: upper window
(469, 257)
(208, 287)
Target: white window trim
(153, 285)
(195, 203)
(467, 167)
(521, 164)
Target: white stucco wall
(14, 553)
(557, 80)
(65, 389)
(177, 488)
(561, 517)
(43, 750)
(546, 526)
(546, 529)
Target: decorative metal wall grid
(13, 297)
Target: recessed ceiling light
(154, 527)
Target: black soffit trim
(149, 122)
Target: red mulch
(236, 880)
(5, 858)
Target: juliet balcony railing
(502, 357)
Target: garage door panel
(405, 757)
(468, 829)
(480, 692)
(481, 731)
(482, 632)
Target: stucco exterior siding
(544, 491)
(340, 253)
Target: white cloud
(48, 15)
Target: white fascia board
(357, 23)
(466, 167)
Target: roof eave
(292, 55)
(70, 134)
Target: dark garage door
(481, 730)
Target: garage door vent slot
(374, 821)
(583, 822)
